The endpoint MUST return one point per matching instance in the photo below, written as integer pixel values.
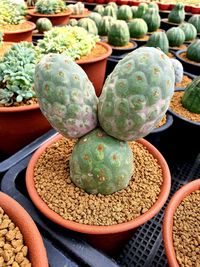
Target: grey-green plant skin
(191, 96)
(114, 5)
(134, 11)
(43, 25)
(66, 96)
(124, 13)
(195, 20)
(77, 9)
(16, 73)
(73, 22)
(110, 11)
(153, 5)
(96, 17)
(105, 25)
(189, 31)
(99, 9)
(152, 19)
(101, 164)
(89, 25)
(193, 51)
(159, 40)
(119, 35)
(1, 38)
(136, 94)
(177, 15)
(178, 70)
(176, 36)
(50, 6)
(137, 28)
(142, 8)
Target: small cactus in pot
(177, 15)
(159, 39)
(124, 13)
(89, 25)
(43, 25)
(137, 28)
(193, 51)
(189, 31)
(176, 36)
(118, 34)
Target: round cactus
(159, 39)
(193, 51)
(43, 25)
(177, 15)
(137, 28)
(96, 17)
(176, 36)
(77, 9)
(118, 34)
(66, 96)
(105, 25)
(110, 11)
(178, 70)
(152, 19)
(114, 5)
(73, 22)
(99, 9)
(153, 5)
(141, 10)
(89, 25)
(136, 94)
(189, 31)
(101, 164)
(195, 20)
(134, 11)
(124, 13)
(191, 97)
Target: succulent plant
(114, 5)
(141, 10)
(159, 39)
(89, 25)
(68, 100)
(101, 164)
(105, 25)
(195, 20)
(43, 25)
(73, 22)
(74, 42)
(99, 9)
(153, 5)
(152, 19)
(134, 11)
(124, 13)
(136, 94)
(189, 31)
(50, 6)
(77, 9)
(193, 51)
(137, 28)
(96, 17)
(118, 34)
(177, 15)
(110, 11)
(191, 96)
(178, 70)
(176, 36)
(31, 2)
(16, 73)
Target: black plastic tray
(68, 249)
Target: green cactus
(134, 11)
(105, 25)
(191, 96)
(159, 39)
(50, 6)
(43, 25)
(96, 17)
(110, 11)
(152, 19)
(73, 22)
(195, 20)
(66, 96)
(137, 28)
(141, 10)
(189, 31)
(118, 34)
(193, 51)
(101, 164)
(136, 94)
(99, 9)
(114, 5)
(89, 25)
(124, 13)
(153, 5)
(177, 15)
(77, 9)
(176, 36)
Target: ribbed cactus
(153, 5)
(110, 11)
(66, 96)
(73, 22)
(159, 39)
(77, 9)
(100, 163)
(134, 11)
(124, 13)
(43, 25)
(189, 31)
(177, 15)
(118, 34)
(105, 25)
(136, 94)
(96, 17)
(193, 51)
(191, 97)
(152, 19)
(141, 10)
(137, 28)
(99, 9)
(178, 70)
(176, 36)
(89, 25)
(195, 20)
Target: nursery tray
(68, 249)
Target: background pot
(168, 219)
(31, 235)
(19, 126)
(107, 238)
(166, 25)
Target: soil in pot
(119, 50)
(162, 122)
(5, 47)
(184, 57)
(176, 48)
(140, 41)
(185, 81)
(158, 30)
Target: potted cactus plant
(176, 38)
(78, 11)
(195, 20)
(152, 19)
(55, 10)
(13, 23)
(189, 31)
(134, 98)
(138, 31)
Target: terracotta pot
(31, 235)
(95, 68)
(188, 8)
(20, 35)
(163, 6)
(123, 2)
(107, 238)
(19, 126)
(56, 19)
(195, 9)
(168, 219)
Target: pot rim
(165, 126)
(168, 219)
(165, 20)
(33, 13)
(19, 109)
(32, 27)
(177, 54)
(28, 228)
(88, 229)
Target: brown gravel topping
(185, 81)
(13, 28)
(53, 184)
(97, 51)
(186, 231)
(19, 104)
(13, 252)
(177, 107)
(162, 121)
(145, 38)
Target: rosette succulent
(50, 6)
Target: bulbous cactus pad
(66, 96)
(136, 94)
(100, 163)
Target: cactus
(136, 94)
(110, 11)
(73, 22)
(137, 28)
(68, 100)
(178, 70)
(159, 39)
(114, 5)
(153, 5)
(189, 31)
(100, 163)
(152, 19)
(96, 17)
(177, 15)
(89, 25)
(195, 20)
(141, 10)
(124, 13)
(99, 9)
(191, 96)
(193, 51)
(50, 6)
(118, 34)
(176, 36)
(134, 11)
(77, 9)
(43, 25)
(31, 2)
(105, 25)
